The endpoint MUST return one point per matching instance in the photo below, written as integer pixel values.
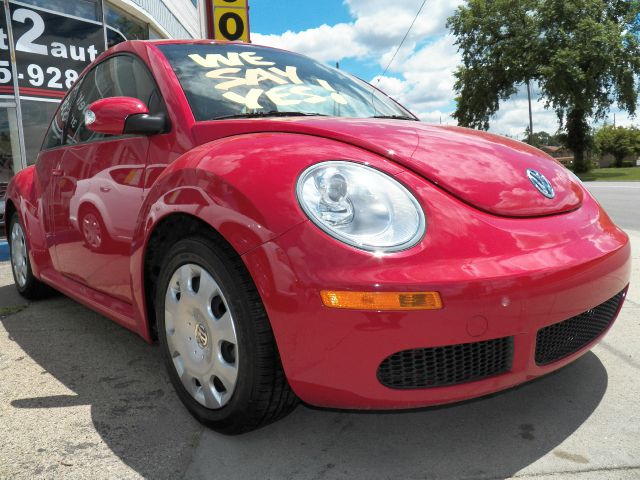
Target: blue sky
(274, 17)
(363, 35)
(278, 16)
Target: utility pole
(530, 113)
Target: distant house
(562, 154)
(609, 161)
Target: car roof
(136, 46)
(132, 44)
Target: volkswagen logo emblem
(541, 183)
(201, 336)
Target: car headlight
(361, 206)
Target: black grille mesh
(562, 339)
(447, 365)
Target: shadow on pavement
(137, 414)
(492, 437)
(133, 407)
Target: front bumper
(498, 278)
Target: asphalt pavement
(81, 397)
(621, 200)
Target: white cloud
(513, 118)
(394, 87)
(325, 43)
(429, 74)
(421, 76)
(384, 20)
(621, 118)
(437, 117)
(377, 29)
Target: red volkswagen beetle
(285, 231)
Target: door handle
(105, 189)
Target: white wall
(173, 18)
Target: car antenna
(424, 2)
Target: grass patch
(6, 311)
(628, 174)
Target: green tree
(542, 139)
(618, 141)
(538, 139)
(584, 55)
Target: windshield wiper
(272, 113)
(396, 117)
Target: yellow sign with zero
(231, 3)
(231, 20)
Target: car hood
(481, 169)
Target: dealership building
(52, 41)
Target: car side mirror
(123, 115)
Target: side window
(132, 79)
(119, 76)
(53, 138)
(88, 93)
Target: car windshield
(233, 80)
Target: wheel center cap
(202, 337)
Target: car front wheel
(216, 339)
(27, 284)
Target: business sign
(51, 51)
(228, 20)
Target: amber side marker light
(382, 300)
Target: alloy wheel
(91, 230)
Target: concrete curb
(4, 250)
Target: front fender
(242, 186)
(25, 195)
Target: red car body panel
(111, 113)
(510, 280)
(459, 160)
(499, 274)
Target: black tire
(31, 288)
(262, 394)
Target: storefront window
(154, 34)
(54, 40)
(70, 34)
(36, 116)
(9, 144)
(10, 157)
(87, 9)
(122, 26)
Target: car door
(49, 176)
(95, 220)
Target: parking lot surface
(619, 200)
(81, 397)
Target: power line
(402, 42)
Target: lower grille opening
(560, 340)
(446, 365)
